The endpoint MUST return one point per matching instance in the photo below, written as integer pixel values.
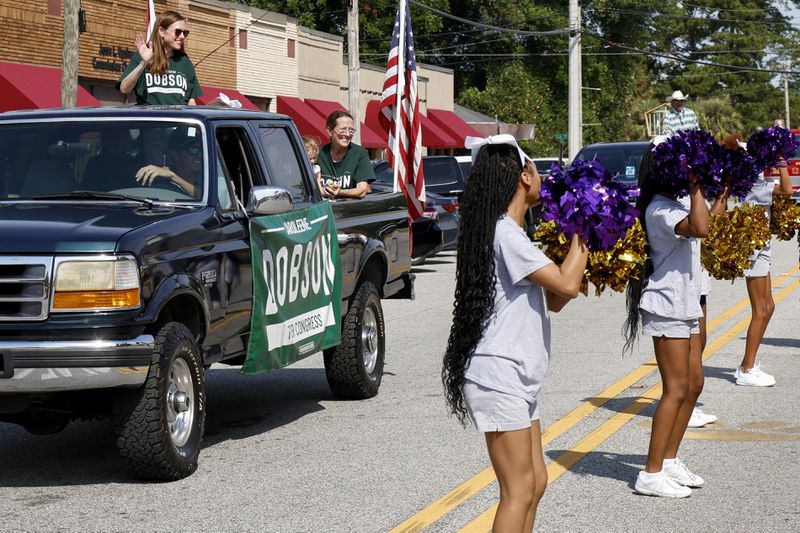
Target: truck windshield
(159, 161)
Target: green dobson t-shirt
(352, 170)
(175, 87)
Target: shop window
(290, 48)
(243, 39)
(54, 7)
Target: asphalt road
(282, 455)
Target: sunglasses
(179, 32)
(191, 150)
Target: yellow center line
(479, 481)
(568, 458)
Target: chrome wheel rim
(369, 340)
(180, 402)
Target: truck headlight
(96, 284)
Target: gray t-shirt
(673, 289)
(761, 194)
(705, 279)
(513, 354)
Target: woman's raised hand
(145, 49)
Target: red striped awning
(435, 137)
(210, 95)
(307, 120)
(452, 124)
(369, 138)
(35, 87)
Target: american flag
(399, 114)
(151, 20)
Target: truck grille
(24, 288)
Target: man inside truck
(185, 163)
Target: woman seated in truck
(185, 164)
(346, 171)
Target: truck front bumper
(64, 365)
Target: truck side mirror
(269, 200)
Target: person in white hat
(679, 117)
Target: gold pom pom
(732, 238)
(555, 246)
(615, 267)
(785, 218)
(612, 268)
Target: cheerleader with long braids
(499, 346)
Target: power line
(761, 10)
(680, 59)
(232, 37)
(762, 22)
(488, 26)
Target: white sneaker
(755, 378)
(661, 485)
(700, 419)
(680, 472)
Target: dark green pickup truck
(130, 264)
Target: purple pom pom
(770, 144)
(738, 171)
(586, 200)
(689, 150)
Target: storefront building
(263, 59)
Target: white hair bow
(475, 143)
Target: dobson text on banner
(296, 287)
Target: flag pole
(401, 80)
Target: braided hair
(491, 185)
(633, 291)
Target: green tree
(635, 52)
(743, 35)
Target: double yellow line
(567, 459)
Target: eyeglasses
(179, 32)
(345, 131)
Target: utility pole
(575, 96)
(353, 68)
(786, 95)
(69, 61)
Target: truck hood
(73, 228)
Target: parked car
(117, 297)
(465, 163)
(545, 164)
(445, 210)
(442, 207)
(620, 158)
(443, 175)
(794, 170)
(427, 237)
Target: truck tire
(160, 425)
(354, 368)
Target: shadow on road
(417, 270)
(242, 406)
(85, 452)
(447, 260)
(786, 343)
(622, 467)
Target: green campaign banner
(296, 287)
